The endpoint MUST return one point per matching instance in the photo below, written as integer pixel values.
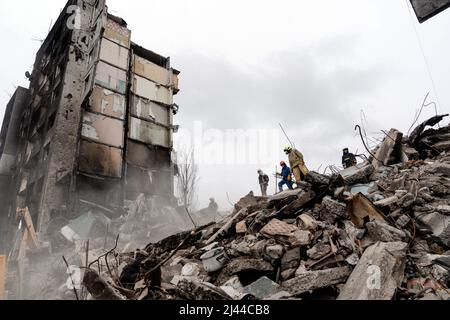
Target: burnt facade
(95, 125)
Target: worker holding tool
(297, 163)
(286, 177)
(263, 182)
(348, 159)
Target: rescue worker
(286, 177)
(263, 182)
(213, 206)
(348, 159)
(297, 163)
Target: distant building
(94, 128)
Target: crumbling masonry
(94, 129)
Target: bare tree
(187, 177)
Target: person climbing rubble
(348, 159)
(297, 162)
(286, 176)
(263, 182)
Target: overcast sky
(311, 65)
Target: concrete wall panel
(149, 70)
(150, 90)
(103, 129)
(145, 109)
(117, 33)
(143, 156)
(149, 133)
(100, 160)
(114, 54)
(111, 78)
(107, 102)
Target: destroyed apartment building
(93, 131)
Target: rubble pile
(378, 230)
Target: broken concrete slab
(248, 201)
(307, 223)
(291, 259)
(282, 295)
(262, 288)
(295, 206)
(403, 221)
(313, 280)
(300, 238)
(240, 265)
(380, 231)
(275, 252)
(234, 288)
(317, 179)
(442, 146)
(319, 251)
(386, 202)
(288, 274)
(332, 210)
(287, 233)
(438, 223)
(99, 288)
(357, 174)
(203, 290)
(278, 228)
(444, 209)
(390, 150)
(378, 274)
(437, 167)
(241, 227)
(407, 200)
(411, 153)
(285, 194)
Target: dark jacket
(285, 173)
(349, 160)
(264, 179)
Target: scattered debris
(379, 230)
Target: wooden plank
(2, 277)
(32, 239)
(362, 210)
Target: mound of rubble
(379, 230)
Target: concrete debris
(357, 174)
(332, 210)
(439, 225)
(262, 288)
(378, 274)
(203, 290)
(278, 228)
(359, 234)
(319, 251)
(313, 280)
(99, 288)
(390, 151)
(387, 202)
(381, 231)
